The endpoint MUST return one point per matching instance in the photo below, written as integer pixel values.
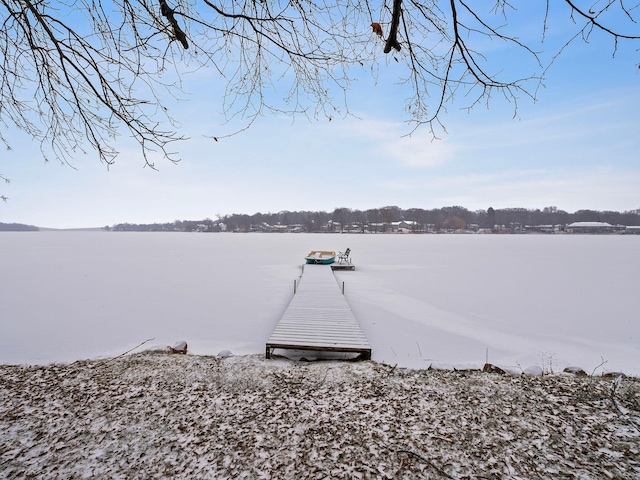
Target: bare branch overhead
(76, 74)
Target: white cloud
(393, 141)
(420, 151)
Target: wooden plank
(320, 337)
(318, 318)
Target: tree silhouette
(75, 74)
(491, 214)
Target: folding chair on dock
(343, 257)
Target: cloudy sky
(576, 147)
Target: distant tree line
(176, 226)
(17, 227)
(445, 218)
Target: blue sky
(575, 148)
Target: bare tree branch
(168, 12)
(392, 40)
(78, 75)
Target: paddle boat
(321, 257)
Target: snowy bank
(183, 416)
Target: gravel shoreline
(183, 416)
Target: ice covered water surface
(553, 300)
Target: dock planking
(319, 318)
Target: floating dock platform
(319, 318)
(343, 266)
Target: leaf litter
(183, 416)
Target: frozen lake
(553, 300)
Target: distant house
(403, 226)
(408, 226)
(354, 227)
(547, 228)
(376, 227)
(589, 227)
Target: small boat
(321, 257)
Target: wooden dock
(319, 318)
(343, 266)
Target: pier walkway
(319, 318)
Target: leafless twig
(129, 351)
(428, 462)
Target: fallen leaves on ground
(173, 416)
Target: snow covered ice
(520, 300)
